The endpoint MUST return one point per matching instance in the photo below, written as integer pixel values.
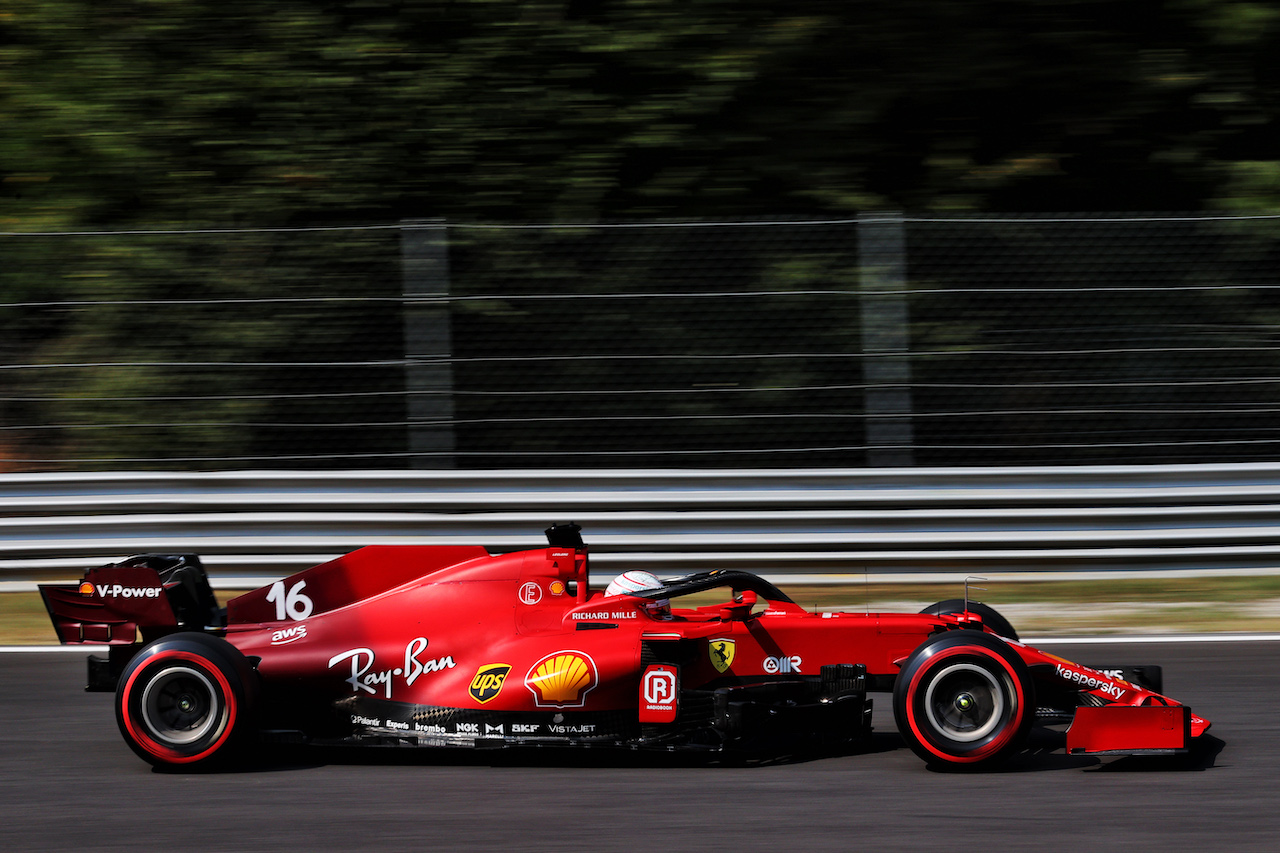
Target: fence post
(428, 342)
(886, 369)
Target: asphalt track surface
(68, 782)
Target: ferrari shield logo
(721, 654)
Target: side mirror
(740, 608)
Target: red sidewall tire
(948, 669)
(183, 701)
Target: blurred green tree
(153, 113)
(157, 114)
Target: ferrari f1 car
(444, 646)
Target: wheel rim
(180, 705)
(964, 702)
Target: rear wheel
(964, 699)
(185, 700)
(990, 616)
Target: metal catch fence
(882, 341)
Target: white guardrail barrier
(794, 525)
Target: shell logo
(86, 588)
(562, 680)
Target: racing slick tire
(964, 699)
(990, 616)
(186, 700)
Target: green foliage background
(186, 114)
(156, 112)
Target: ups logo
(488, 681)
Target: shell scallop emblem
(561, 680)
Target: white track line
(77, 648)
(1153, 638)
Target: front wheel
(185, 700)
(964, 699)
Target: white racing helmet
(628, 583)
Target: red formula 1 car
(444, 646)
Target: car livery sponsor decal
(115, 590)
(721, 651)
(488, 681)
(288, 635)
(1089, 679)
(562, 679)
(606, 614)
(530, 593)
(556, 588)
(463, 727)
(365, 677)
(782, 663)
(659, 692)
(558, 726)
(429, 729)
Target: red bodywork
(435, 645)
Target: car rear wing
(149, 595)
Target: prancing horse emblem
(721, 654)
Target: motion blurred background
(712, 234)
